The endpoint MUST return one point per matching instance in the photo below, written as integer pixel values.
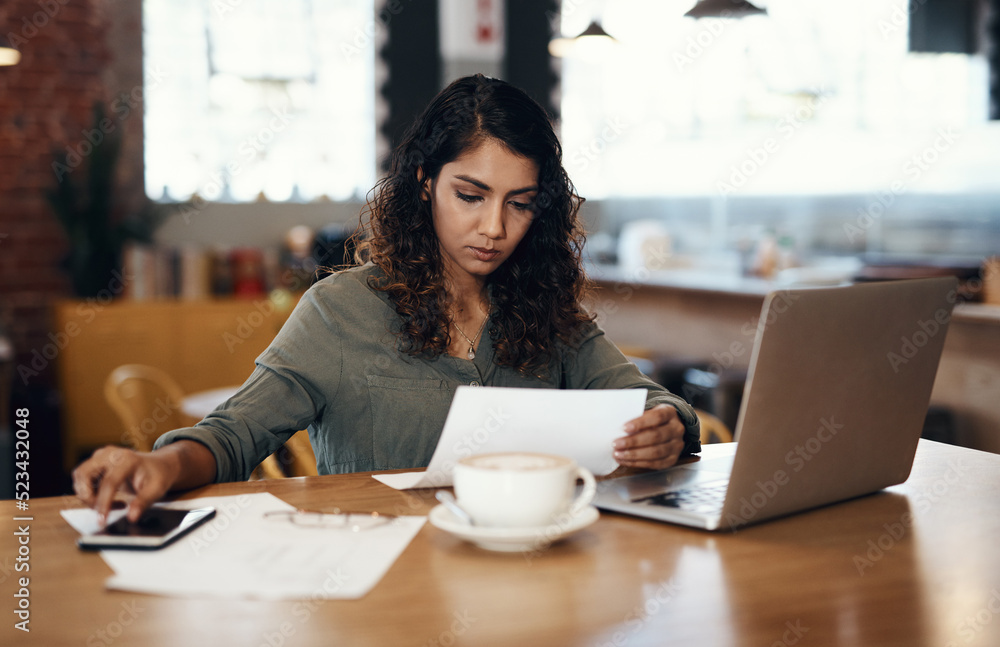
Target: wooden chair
(713, 430)
(147, 401)
(296, 457)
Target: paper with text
(581, 424)
(241, 554)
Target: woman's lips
(484, 254)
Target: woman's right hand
(145, 476)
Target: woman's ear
(425, 193)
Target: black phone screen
(156, 528)
(155, 522)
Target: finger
(672, 430)
(88, 475)
(659, 415)
(148, 488)
(120, 468)
(656, 457)
(653, 452)
(85, 479)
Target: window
(251, 98)
(814, 98)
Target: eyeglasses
(337, 519)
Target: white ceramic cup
(520, 489)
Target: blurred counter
(701, 316)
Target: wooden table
(916, 565)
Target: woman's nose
(491, 225)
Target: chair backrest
(147, 401)
(298, 456)
(713, 430)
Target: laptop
(837, 391)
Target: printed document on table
(241, 554)
(578, 423)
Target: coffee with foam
(520, 489)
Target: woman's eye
(464, 197)
(521, 206)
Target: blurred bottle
(248, 272)
(991, 280)
(787, 255)
(298, 264)
(765, 259)
(645, 244)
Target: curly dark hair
(537, 292)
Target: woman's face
(482, 208)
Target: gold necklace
(472, 342)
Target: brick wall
(73, 53)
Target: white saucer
(512, 539)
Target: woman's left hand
(654, 440)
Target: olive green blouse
(334, 368)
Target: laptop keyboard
(704, 499)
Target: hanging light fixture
(724, 9)
(593, 36)
(8, 55)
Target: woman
(471, 275)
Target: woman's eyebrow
(486, 187)
(475, 182)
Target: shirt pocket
(407, 418)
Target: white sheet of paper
(578, 423)
(240, 554)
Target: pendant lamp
(8, 55)
(594, 33)
(724, 9)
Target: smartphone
(156, 528)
